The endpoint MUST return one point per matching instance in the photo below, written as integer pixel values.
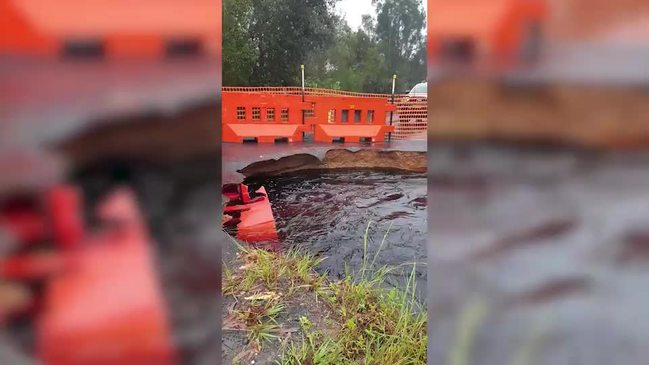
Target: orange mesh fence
(411, 118)
(328, 107)
(294, 90)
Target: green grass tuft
(371, 323)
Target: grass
(471, 319)
(368, 323)
(261, 284)
(377, 326)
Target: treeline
(266, 41)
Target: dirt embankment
(587, 116)
(409, 161)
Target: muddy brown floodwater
(553, 241)
(326, 213)
(324, 196)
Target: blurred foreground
(104, 116)
(538, 255)
(545, 71)
(538, 153)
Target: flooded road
(327, 213)
(551, 244)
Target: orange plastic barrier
(262, 117)
(351, 119)
(253, 216)
(251, 113)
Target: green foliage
(265, 41)
(239, 53)
(399, 30)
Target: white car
(413, 113)
(419, 91)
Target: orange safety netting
(295, 90)
(410, 118)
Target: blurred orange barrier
(251, 113)
(110, 300)
(463, 30)
(57, 216)
(114, 28)
(101, 302)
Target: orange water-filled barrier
(273, 114)
(262, 117)
(252, 215)
(351, 118)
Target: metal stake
(394, 80)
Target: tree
(239, 53)
(400, 28)
(265, 41)
(356, 63)
(285, 33)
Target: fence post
(302, 67)
(303, 117)
(394, 80)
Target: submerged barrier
(286, 114)
(250, 213)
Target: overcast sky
(353, 11)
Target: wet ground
(327, 214)
(553, 241)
